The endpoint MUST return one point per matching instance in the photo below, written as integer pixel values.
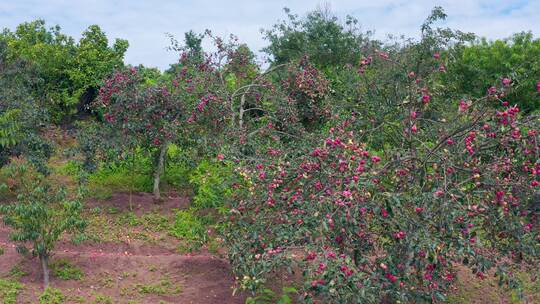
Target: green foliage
(52, 296)
(71, 168)
(118, 178)
(22, 117)
(189, 226)
(485, 63)
(17, 272)
(41, 213)
(94, 60)
(51, 52)
(9, 291)
(64, 270)
(180, 164)
(71, 72)
(163, 287)
(406, 182)
(268, 296)
(133, 173)
(213, 183)
(102, 299)
(320, 36)
(10, 130)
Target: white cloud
(144, 23)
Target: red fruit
(391, 277)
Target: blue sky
(144, 23)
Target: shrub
(179, 165)
(189, 226)
(213, 183)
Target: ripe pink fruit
(391, 277)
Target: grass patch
(52, 296)
(164, 287)
(188, 226)
(9, 290)
(102, 299)
(16, 272)
(191, 229)
(151, 227)
(64, 270)
(104, 182)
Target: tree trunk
(45, 266)
(159, 170)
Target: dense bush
(485, 62)
(22, 120)
(213, 183)
(70, 72)
(384, 204)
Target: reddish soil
(124, 272)
(141, 202)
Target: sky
(145, 23)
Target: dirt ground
(124, 269)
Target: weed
(9, 291)
(64, 270)
(52, 296)
(164, 287)
(188, 226)
(212, 182)
(17, 272)
(268, 296)
(102, 299)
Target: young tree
(41, 214)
